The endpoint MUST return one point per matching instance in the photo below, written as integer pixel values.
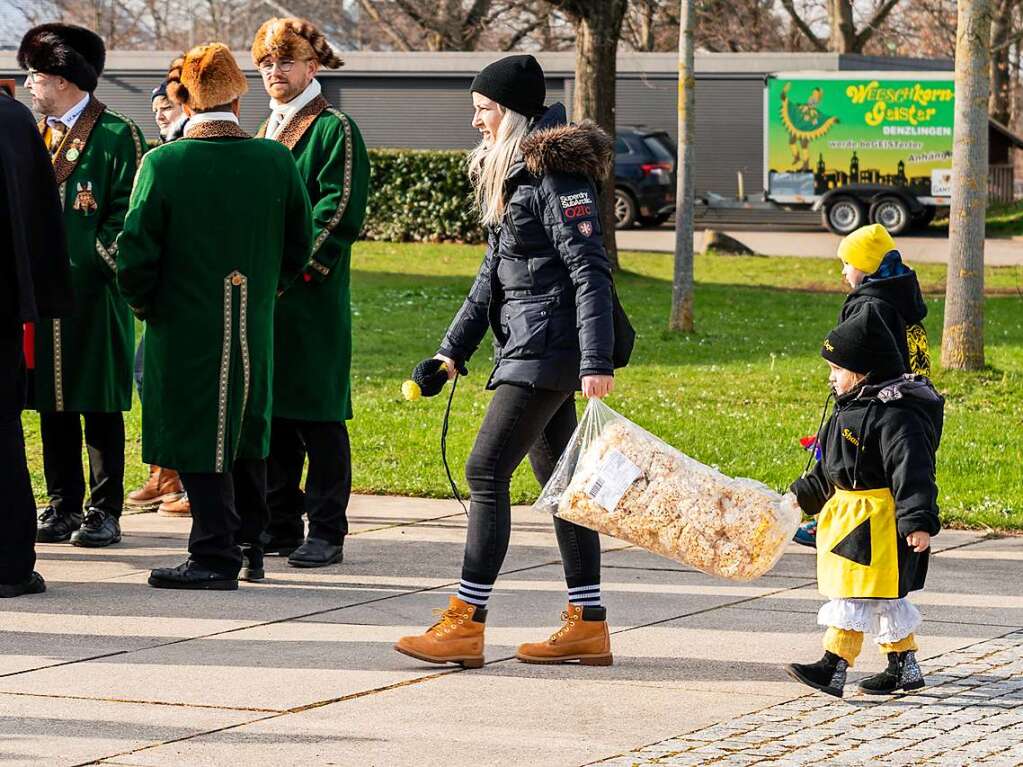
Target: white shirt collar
(289, 109)
(70, 117)
(209, 117)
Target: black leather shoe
(99, 529)
(903, 673)
(252, 565)
(34, 584)
(56, 528)
(279, 547)
(191, 575)
(316, 552)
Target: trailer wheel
(625, 209)
(843, 215)
(891, 213)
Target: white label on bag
(614, 477)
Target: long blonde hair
(488, 166)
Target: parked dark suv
(644, 177)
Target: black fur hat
(75, 53)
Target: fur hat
(293, 38)
(205, 77)
(75, 53)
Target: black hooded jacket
(901, 305)
(544, 287)
(884, 436)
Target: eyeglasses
(266, 67)
(34, 75)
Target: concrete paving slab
(459, 719)
(63, 731)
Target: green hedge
(420, 196)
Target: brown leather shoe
(163, 485)
(179, 508)
(584, 637)
(456, 638)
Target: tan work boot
(179, 508)
(456, 638)
(162, 486)
(584, 637)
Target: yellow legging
(848, 644)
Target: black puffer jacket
(545, 284)
(884, 436)
(902, 307)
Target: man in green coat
(219, 224)
(83, 362)
(313, 325)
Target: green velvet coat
(219, 223)
(313, 326)
(84, 361)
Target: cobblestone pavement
(971, 713)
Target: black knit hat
(158, 91)
(864, 344)
(75, 53)
(514, 82)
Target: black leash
(444, 445)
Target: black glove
(428, 379)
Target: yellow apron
(858, 546)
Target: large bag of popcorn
(617, 478)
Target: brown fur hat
(75, 53)
(205, 77)
(293, 38)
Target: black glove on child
(428, 379)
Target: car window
(621, 147)
(660, 146)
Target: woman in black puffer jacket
(545, 291)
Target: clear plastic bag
(617, 478)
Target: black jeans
(228, 513)
(521, 421)
(18, 520)
(328, 484)
(62, 460)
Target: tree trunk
(843, 30)
(1001, 27)
(596, 70)
(962, 344)
(682, 286)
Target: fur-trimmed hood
(554, 145)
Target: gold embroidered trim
(216, 129)
(62, 166)
(225, 376)
(346, 195)
(319, 267)
(108, 254)
(299, 123)
(58, 368)
(234, 280)
(133, 130)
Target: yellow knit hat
(866, 247)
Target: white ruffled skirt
(889, 620)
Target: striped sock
(474, 593)
(585, 596)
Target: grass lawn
(737, 394)
(1002, 220)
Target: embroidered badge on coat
(577, 206)
(586, 228)
(85, 202)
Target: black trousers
(62, 460)
(17, 506)
(228, 513)
(521, 421)
(328, 485)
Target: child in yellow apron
(873, 268)
(875, 496)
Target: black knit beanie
(864, 344)
(514, 82)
